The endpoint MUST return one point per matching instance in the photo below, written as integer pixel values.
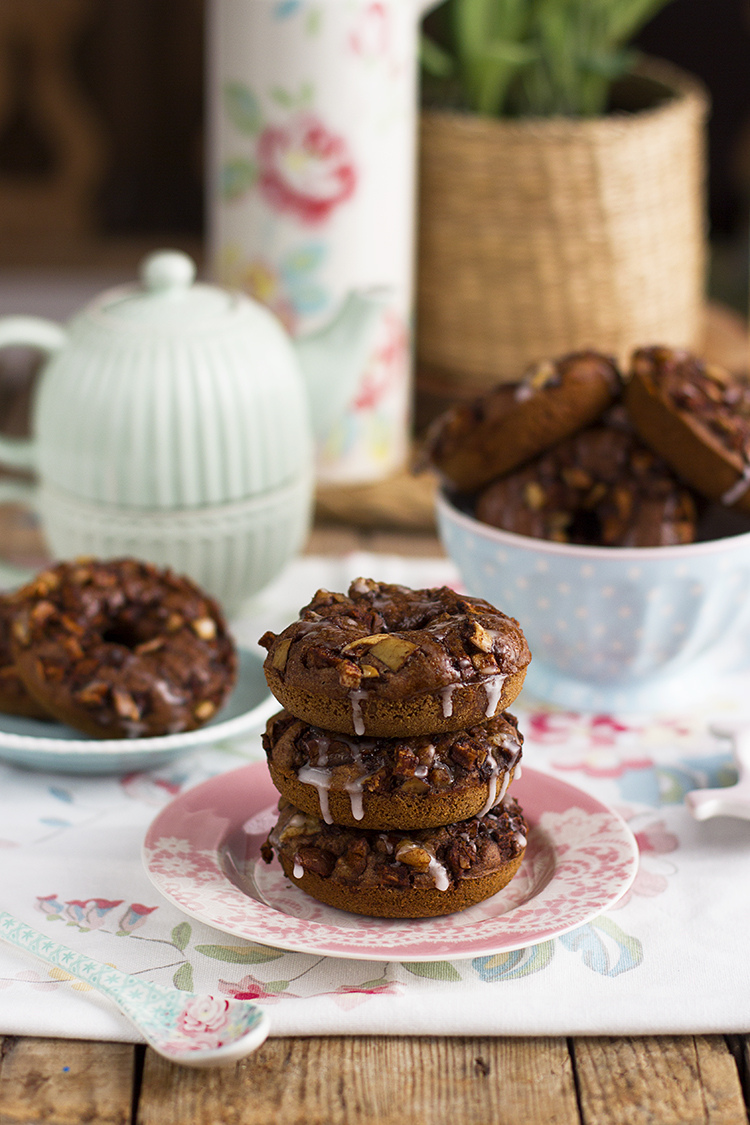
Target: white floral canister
(312, 120)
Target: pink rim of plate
(581, 859)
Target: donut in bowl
(122, 649)
(386, 661)
(421, 873)
(602, 487)
(472, 443)
(422, 781)
(697, 416)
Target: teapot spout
(333, 357)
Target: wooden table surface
(369, 1080)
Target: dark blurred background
(101, 126)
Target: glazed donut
(472, 443)
(417, 874)
(601, 487)
(122, 649)
(697, 416)
(14, 698)
(407, 783)
(388, 661)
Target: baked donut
(405, 783)
(416, 874)
(388, 661)
(122, 649)
(472, 443)
(14, 698)
(601, 487)
(697, 416)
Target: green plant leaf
(181, 934)
(183, 978)
(609, 66)
(436, 61)
(435, 970)
(241, 954)
(242, 108)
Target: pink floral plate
(203, 853)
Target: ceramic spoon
(734, 800)
(184, 1027)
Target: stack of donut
(394, 753)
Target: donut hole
(129, 631)
(121, 633)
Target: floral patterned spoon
(184, 1027)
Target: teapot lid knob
(167, 270)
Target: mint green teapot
(176, 421)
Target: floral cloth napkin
(669, 958)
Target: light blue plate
(59, 748)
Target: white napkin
(669, 958)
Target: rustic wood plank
(65, 1082)
(681, 1080)
(369, 1080)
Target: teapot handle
(15, 492)
(35, 332)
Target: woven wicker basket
(540, 236)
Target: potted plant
(561, 190)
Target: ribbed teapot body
(171, 418)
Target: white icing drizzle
(493, 686)
(321, 779)
(520, 839)
(298, 871)
(356, 698)
(354, 789)
(494, 798)
(513, 768)
(446, 697)
(439, 874)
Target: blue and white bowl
(615, 628)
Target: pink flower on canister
(371, 35)
(305, 170)
(201, 1020)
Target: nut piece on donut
(122, 649)
(601, 487)
(697, 417)
(419, 782)
(388, 661)
(14, 698)
(472, 443)
(417, 874)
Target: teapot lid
(167, 296)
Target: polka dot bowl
(612, 628)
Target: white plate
(203, 853)
(56, 747)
